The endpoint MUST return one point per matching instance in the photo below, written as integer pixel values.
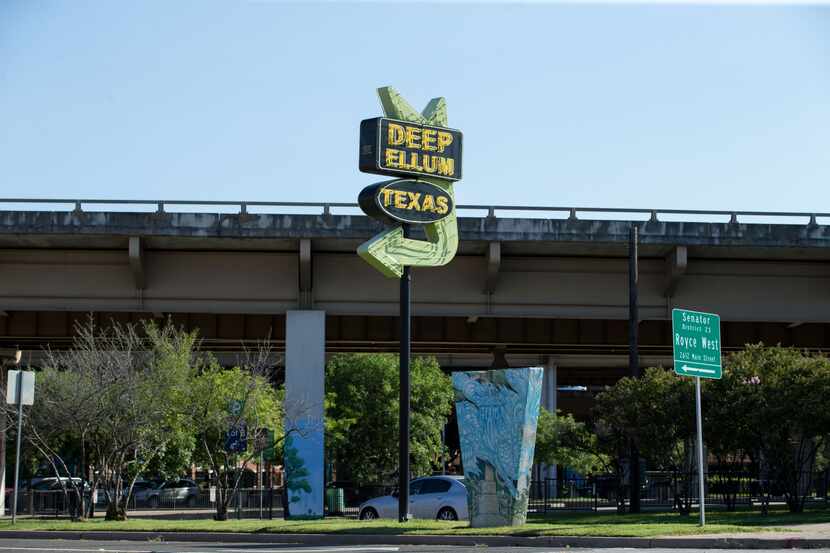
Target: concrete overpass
(547, 287)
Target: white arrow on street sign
(698, 370)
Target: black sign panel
(406, 201)
(392, 147)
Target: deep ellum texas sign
(421, 148)
(406, 201)
(390, 147)
(696, 343)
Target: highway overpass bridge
(545, 285)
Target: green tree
(772, 405)
(730, 413)
(222, 399)
(362, 410)
(121, 393)
(656, 413)
(562, 440)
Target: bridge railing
(491, 211)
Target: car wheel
(368, 514)
(153, 502)
(447, 513)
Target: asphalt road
(96, 546)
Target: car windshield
(44, 484)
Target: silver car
(173, 492)
(432, 497)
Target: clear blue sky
(668, 106)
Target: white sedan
(433, 497)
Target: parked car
(49, 483)
(173, 492)
(48, 493)
(432, 497)
(142, 489)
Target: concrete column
(305, 358)
(549, 403)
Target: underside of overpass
(544, 291)
(589, 353)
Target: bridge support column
(305, 277)
(305, 360)
(549, 403)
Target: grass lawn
(560, 524)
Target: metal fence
(672, 491)
(660, 491)
(245, 503)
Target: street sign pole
(403, 414)
(19, 387)
(700, 482)
(260, 482)
(697, 352)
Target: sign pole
(697, 353)
(19, 386)
(261, 482)
(403, 414)
(701, 490)
(633, 359)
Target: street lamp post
(8, 357)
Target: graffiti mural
(497, 415)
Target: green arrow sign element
(389, 251)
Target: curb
(402, 539)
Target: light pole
(404, 390)
(8, 358)
(633, 359)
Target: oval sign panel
(407, 201)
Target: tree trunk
(221, 510)
(115, 511)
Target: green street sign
(696, 343)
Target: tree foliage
(362, 414)
(222, 399)
(771, 407)
(140, 398)
(656, 413)
(121, 392)
(562, 440)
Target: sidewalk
(811, 532)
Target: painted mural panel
(497, 415)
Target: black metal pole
(633, 360)
(403, 414)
